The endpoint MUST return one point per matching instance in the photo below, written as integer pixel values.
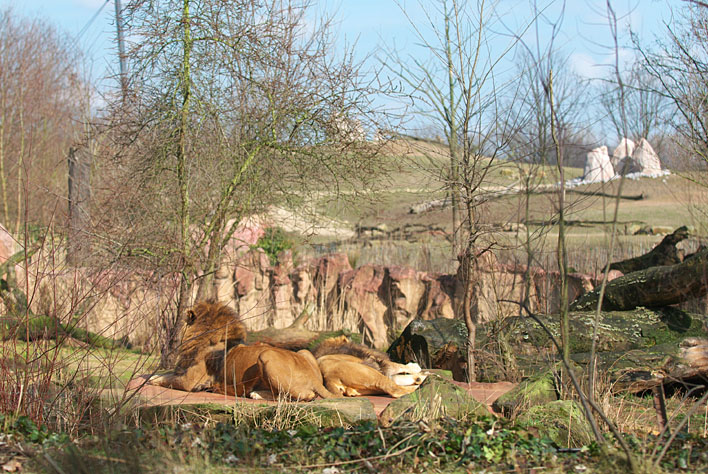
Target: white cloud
(585, 65)
(591, 67)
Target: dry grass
(285, 415)
(636, 415)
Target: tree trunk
(665, 253)
(79, 247)
(185, 285)
(653, 287)
(470, 310)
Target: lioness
(350, 376)
(260, 368)
(211, 328)
(373, 358)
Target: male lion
(261, 369)
(211, 328)
(349, 376)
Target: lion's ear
(191, 317)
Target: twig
(583, 398)
(679, 428)
(54, 464)
(662, 432)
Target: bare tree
(678, 67)
(645, 108)
(454, 84)
(229, 108)
(43, 98)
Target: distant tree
(571, 100)
(645, 107)
(677, 70)
(43, 105)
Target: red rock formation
(378, 301)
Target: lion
(261, 369)
(350, 376)
(376, 359)
(211, 329)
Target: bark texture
(654, 287)
(665, 253)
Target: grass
(94, 366)
(291, 437)
(449, 445)
(669, 202)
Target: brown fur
(346, 375)
(279, 371)
(211, 329)
(371, 357)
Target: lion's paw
(156, 379)
(413, 368)
(404, 380)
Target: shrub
(273, 242)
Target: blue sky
(585, 35)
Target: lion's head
(209, 323)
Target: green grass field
(666, 203)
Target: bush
(273, 242)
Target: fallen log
(653, 287)
(628, 197)
(637, 349)
(665, 253)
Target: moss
(435, 398)
(562, 420)
(537, 390)
(618, 330)
(342, 412)
(330, 334)
(172, 414)
(91, 338)
(47, 327)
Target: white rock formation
(645, 159)
(623, 150)
(348, 129)
(598, 166)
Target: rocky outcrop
(645, 159)
(598, 166)
(379, 301)
(623, 151)
(374, 301)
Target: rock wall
(378, 301)
(373, 300)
